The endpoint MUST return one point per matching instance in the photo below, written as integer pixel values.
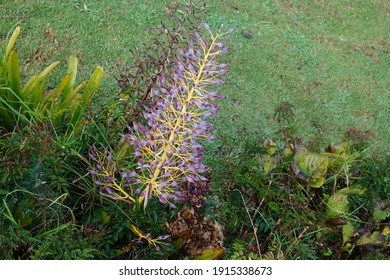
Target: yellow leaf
(12, 42)
(386, 230)
(375, 238)
(337, 206)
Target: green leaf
(270, 146)
(274, 206)
(313, 165)
(36, 94)
(92, 86)
(75, 114)
(353, 190)
(68, 98)
(317, 165)
(72, 71)
(327, 253)
(340, 150)
(379, 215)
(52, 97)
(8, 113)
(317, 182)
(33, 90)
(348, 231)
(337, 205)
(14, 74)
(9, 215)
(6, 119)
(29, 87)
(268, 163)
(55, 230)
(105, 217)
(47, 70)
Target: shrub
(62, 105)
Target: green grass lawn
(329, 59)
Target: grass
(332, 66)
(98, 32)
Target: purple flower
(108, 190)
(231, 30)
(163, 198)
(92, 171)
(218, 81)
(163, 237)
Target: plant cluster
(35, 118)
(304, 203)
(35, 101)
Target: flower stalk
(166, 146)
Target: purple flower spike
(166, 146)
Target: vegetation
(126, 165)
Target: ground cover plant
(122, 163)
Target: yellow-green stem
(157, 171)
